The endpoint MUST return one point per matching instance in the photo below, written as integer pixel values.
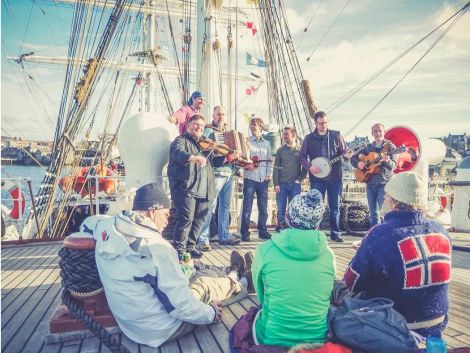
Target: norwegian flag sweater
(407, 259)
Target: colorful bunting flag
(251, 26)
(250, 90)
(251, 60)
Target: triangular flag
(254, 30)
(248, 91)
(249, 25)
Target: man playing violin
(323, 142)
(256, 181)
(376, 184)
(192, 186)
(223, 173)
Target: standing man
(223, 173)
(326, 143)
(192, 186)
(256, 179)
(287, 174)
(384, 172)
(182, 115)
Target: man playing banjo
(326, 144)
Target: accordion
(237, 143)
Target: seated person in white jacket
(150, 296)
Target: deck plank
(31, 293)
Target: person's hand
(314, 170)
(266, 178)
(297, 181)
(277, 188)
(385, 158)
(218, 310)
(199, 160)
(361, 165)
(232, 157)
(172, 119)
(348, 154)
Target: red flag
(248, 91)
(249, 25)
(254, 30)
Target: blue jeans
(286, 193)
(375, 199)
(223, 190)
(334, 189)
(250, 187)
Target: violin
(255, 162)
(208, 145)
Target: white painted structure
(461, 205)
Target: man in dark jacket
(329, 144)
(192, 186)
(384, 171)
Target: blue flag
(251, 60)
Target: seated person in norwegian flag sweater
(407, 258)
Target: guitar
(372, 162)
(324, 164)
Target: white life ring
(16, 195)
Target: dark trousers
(190, 215)
(334, 189)
(250, 188)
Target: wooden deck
(31, 292)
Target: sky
(347, 46)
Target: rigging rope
(344, 98)
(459, 16)
(327, 31)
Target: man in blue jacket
(329, 144)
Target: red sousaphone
(402, 135)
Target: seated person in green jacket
(293, 274)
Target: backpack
(372, 326)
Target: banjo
(324, 164)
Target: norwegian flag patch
(104, 236)
(426, 260)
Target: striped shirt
(262, 149)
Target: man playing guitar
(376, 184)
(328, 144)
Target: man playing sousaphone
(382, 173)
(329, 144)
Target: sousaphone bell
(402, 135)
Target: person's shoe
(248, 261)
(246, 237)
(236, 235)
(204, 247)
(249, 280)
(278, 229)
(195, 253)
(265, 236)
(230, 241)
(337, 239)
(237, 263)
